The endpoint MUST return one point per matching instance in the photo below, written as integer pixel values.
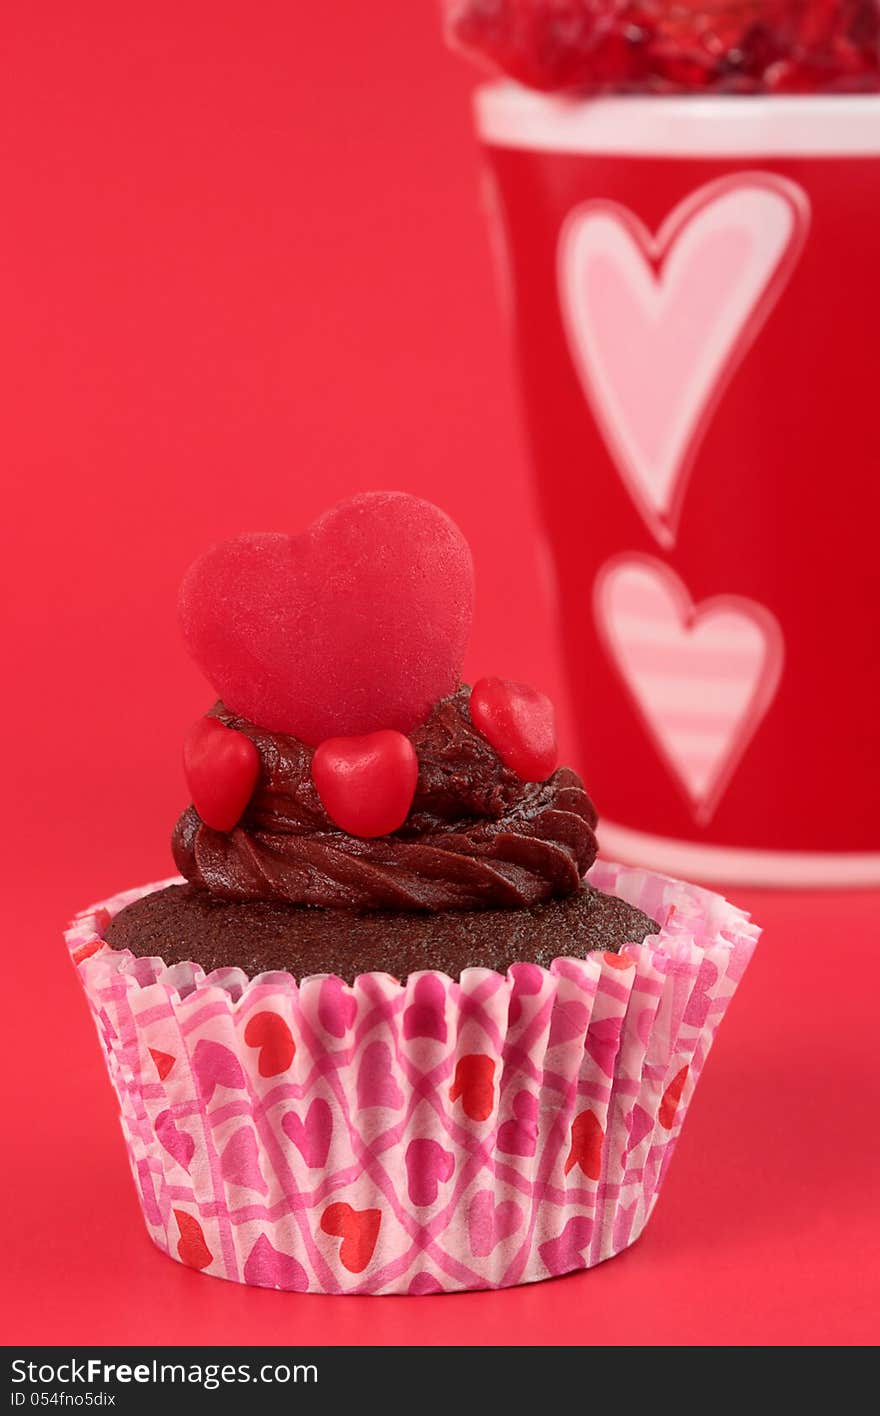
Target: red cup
(694, 289)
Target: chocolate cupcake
(384, 1035)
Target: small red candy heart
(358, 1230)
(221, 769)
(359, 623)
(366, 784)
(270, 1033)
(520, 724)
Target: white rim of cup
(722, 125)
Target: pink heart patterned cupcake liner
(417, 1137)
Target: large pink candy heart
(359, 623)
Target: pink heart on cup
(489, 1223)
(657, 324)
(701, 677)
(312, 1136)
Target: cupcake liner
(421, 1137)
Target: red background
(244, 273)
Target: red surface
(245, 274)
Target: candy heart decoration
(657, 325)
(701, 676)
(358, 624)
(191, 1246)
(358, 1230)
(519, 722)
(221, 768)
(366, 784)
(270, 1033)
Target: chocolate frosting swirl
(477, 837)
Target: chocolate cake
(184, 923)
